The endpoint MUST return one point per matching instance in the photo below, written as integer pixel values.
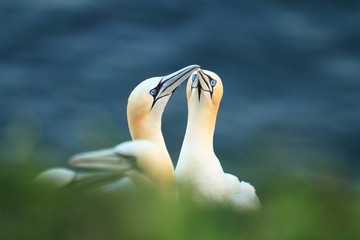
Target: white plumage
(198, 165)
(146, 159)
(146, 105)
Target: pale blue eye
(193, 77)
(153, 92)
(213, 82)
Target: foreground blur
(293, 208)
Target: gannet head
(148, 100)
(204, 90)
(132, 158)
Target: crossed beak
(169, 83)
(201, 82)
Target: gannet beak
(106, 159)
(169, 83)
(204, 81)
(201, 82)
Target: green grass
(292, 209)
(294, 206)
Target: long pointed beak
(170, 82)
(106, 159)
(204, 81)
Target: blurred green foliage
(293, 207)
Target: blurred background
(288, 122)
(291, 74)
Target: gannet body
(141, 160)
(198, 165)
(145, 107)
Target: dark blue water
(291, 74)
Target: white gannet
(198, 165)
(63, 177)
(146, 104)
(141, 160)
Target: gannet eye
(193, 77)
(213, 82)
(153, 92)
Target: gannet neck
(202, 113)
(151, 161)
(198, 166)
(157, 166)
(146, 128)
(200, 126)
(147, 103)
(197, 160)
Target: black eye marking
(153, 92)
(213, 82)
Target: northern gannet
(145, 107)
(141, 160)
(198, 165)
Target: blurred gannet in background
(145, 107)
(198, 165)
(142, 160)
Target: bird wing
(63, 177)
(242, 194)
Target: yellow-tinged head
(204, 92)
(148, 100)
